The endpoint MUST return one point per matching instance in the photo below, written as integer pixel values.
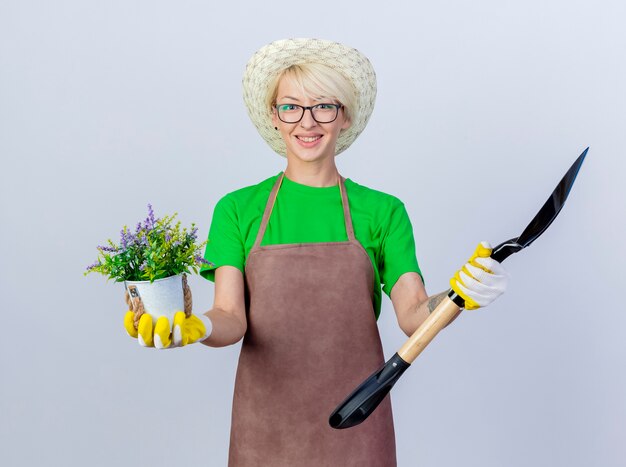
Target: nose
(307, 119)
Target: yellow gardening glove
(481, 280)
(186, 330)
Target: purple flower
(108, 249)
(127, 239)
(201, 260)
(194, 233)
(123, 239)
(168, 237)
(143, 266)
(94, 265)
(150, 221)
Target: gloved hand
(481, 280)
(186, 330)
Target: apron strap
(268, 210)
(346, 209)
(272, 199)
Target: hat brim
(271, 59)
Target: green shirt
(306, 214)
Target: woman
(298, 261)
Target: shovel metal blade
(546, 215)
(553, 205)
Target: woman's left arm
(411, 302)
(479, 282)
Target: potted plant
(153, 261)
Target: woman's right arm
(228, 315)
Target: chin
(309, 155)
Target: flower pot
(163, 297)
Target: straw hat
(268, 61)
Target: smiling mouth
(308, 139)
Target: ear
(275, 120)
(347, 123)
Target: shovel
(365, 398)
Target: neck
(312, 175)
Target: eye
(287, 107)
(326, 106)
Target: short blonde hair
(316, 80)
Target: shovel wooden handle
(436, 321)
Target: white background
(482, 106)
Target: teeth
(308, 139)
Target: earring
(275, 128)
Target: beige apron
(312, 338)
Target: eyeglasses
(321, 113)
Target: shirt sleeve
(398, 249)
(224, 245)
